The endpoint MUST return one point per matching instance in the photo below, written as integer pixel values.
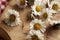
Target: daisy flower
(55, 6)
(35, 35)
(37, 25)
(46, 15)
(37, 8)
(22, 3)
(12, 18)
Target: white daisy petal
(54, 22)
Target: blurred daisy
(35, 35)
(37, 25)
(37, 8)
(46, 14)
(22, 3)
(12, 18)
(55, 6)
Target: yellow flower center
(55, 7)
(44, 15)
(22, 2)
(37, 26)
(38, 8)
(34, 37)
(12, 18)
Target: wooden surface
(4, 35)
(17, 32)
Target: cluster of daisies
(44, 9)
